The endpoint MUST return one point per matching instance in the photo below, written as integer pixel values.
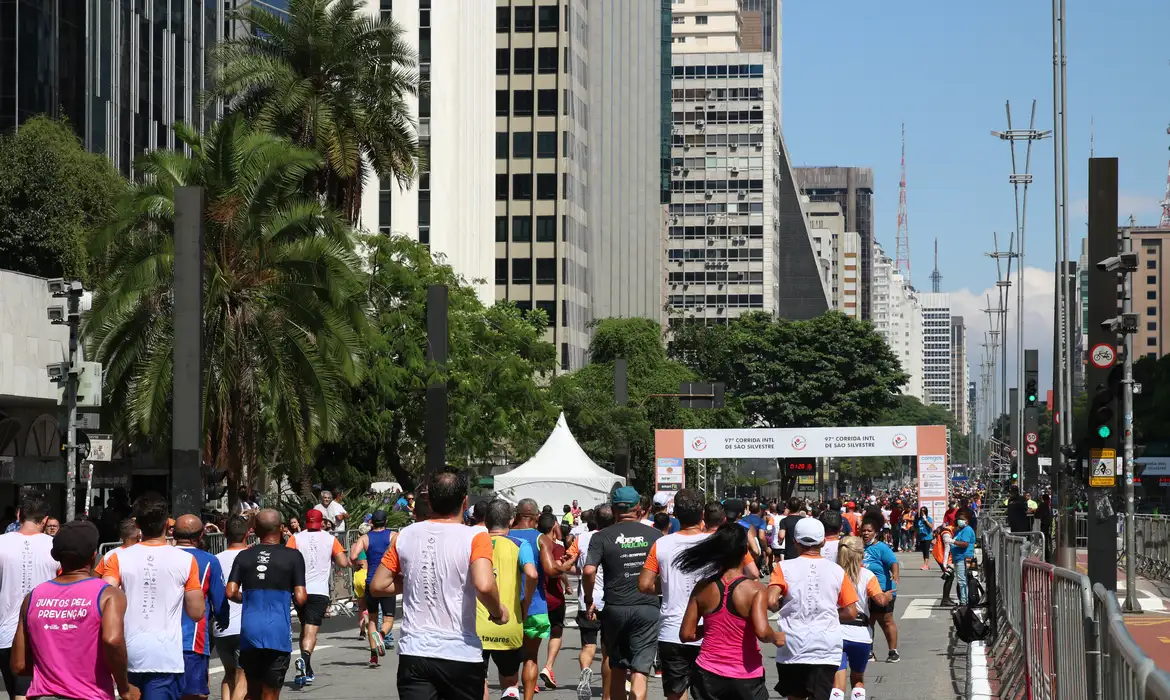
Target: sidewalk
(1151, 628)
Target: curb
(978, 684)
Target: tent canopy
(559, 473)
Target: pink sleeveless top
(64, 626)
(730, 648)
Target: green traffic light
(1104, 431)
(1015, 476)
(1031, 398)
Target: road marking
(296, 655)
(1164, 640)
(919, 609)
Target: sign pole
(1131, 601)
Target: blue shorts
(854, 656)
(158, 686)
(195, 675)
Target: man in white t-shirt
(333, 511)
(227, 623)
(26, 561)
(320, 550)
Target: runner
(832, 521)
(846, 526)
(536, 620)
(555, 563)
(629, 625)
(162, 584)
(735, 619)
(196, 646)
(441, 559)
(26, 561)
(587, 622)
(128, 533)
(266, 580)
(925, 527)
(857, 640)
(227, 621)
(374, 545)
(661, 572)
(513, 562)
(788, 525)
(320, 550)
(86, 658)
(852, 517)
(813, 598)
(880, 559)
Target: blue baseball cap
(626, 496)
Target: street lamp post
(753, 482)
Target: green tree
(330, 78)
(909, 410)
(497, 371)
(53, 196)
(827, 371)
(282, 318)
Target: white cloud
(1039, 302)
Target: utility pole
(69, 374)
(187, 487)
(1030, 448)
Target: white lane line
(918, 609)
(296, 655)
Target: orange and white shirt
(676, 585)
(438, 597)
(155, 577)
(318, 548)
(867, 587)
(813, 590)
(26, 561)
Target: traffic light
(1032, 393)
(1101, 418)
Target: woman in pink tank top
(59, 638)
(735, 619)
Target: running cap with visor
(626, 496)
(810, 532)
(314, 520)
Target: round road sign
(1031, 449)
(1103, 356)
(1031, 437)
(1015, 454)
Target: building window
(522, 186)
(564, 312)
(501, 144)
(550, 19)
(1151, 342)
(501, 229)
(546, 270)
(546, 102)
(525, 18)
(503, 19)
(1151, 279)
(1151, 325)
(501, 270)
(564, 357)
(546, 144)
(549, 59)
(1152, 355)
(522, 144)
(523, 60)
(522, 271)
(1151, 264)
(546, 186)
(502, 180)
(1151, 311)
(1151, 294)
(522, 103)
(521, 229)
(546, 229)
(501, 103)
(677, 19)
(700, 19)
(503, 61)
(549, 308)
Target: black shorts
(424, 678)
(588, 628)
(313, 611)
(266, 666)
(875, 609)
(676, 661)
(507, 660)
(228, 649)
(630, 636)
(708, 686)
(805, 680)
(925, 546)
(556, 616)
(15, 685)
(386, 605)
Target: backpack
(939, 548)
(976, 596)
(969, 626)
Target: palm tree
(331, 79)
(283, 315)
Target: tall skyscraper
(937, 350)
(959, 376)
(897, 317)
(852, 188)
(840, 248)
(1150, 287)
(42, 61)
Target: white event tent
(559, 473)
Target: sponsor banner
(806, 480)
(932, 477)
(1155, 466)
(670, 474)
(802, 443)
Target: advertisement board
(802, 443)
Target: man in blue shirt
(196, 649)
(266, 579)
(962, 549)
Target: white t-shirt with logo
(226, 558)
(829, 551)
(813, 589)
(155, 578)
(318, 548)
(676, 585)
(26, 561)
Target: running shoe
(512, 692)
(388, 640)
(894, 657)
(379, 645)
(373, 660)
(310, 678)
(550, 680)
(924, 567)
(584, 686)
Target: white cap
(810, 532)
(661, 499)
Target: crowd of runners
(675, 587)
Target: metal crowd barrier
(1151, 545)
(1126, 672)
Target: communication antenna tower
(1165, 222)
(902, 264)
(936, 276)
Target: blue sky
(853, 70)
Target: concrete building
(707, 26)
(852, 188)
(959, 374)
(840, 251)
(451, 207)
(937, 350)
(1150, 287)
(897, 317)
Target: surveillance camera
(57, 287)
(1110, 264)
(57, 315)
(58, 370)
(1125, 262)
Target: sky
(854, 70)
